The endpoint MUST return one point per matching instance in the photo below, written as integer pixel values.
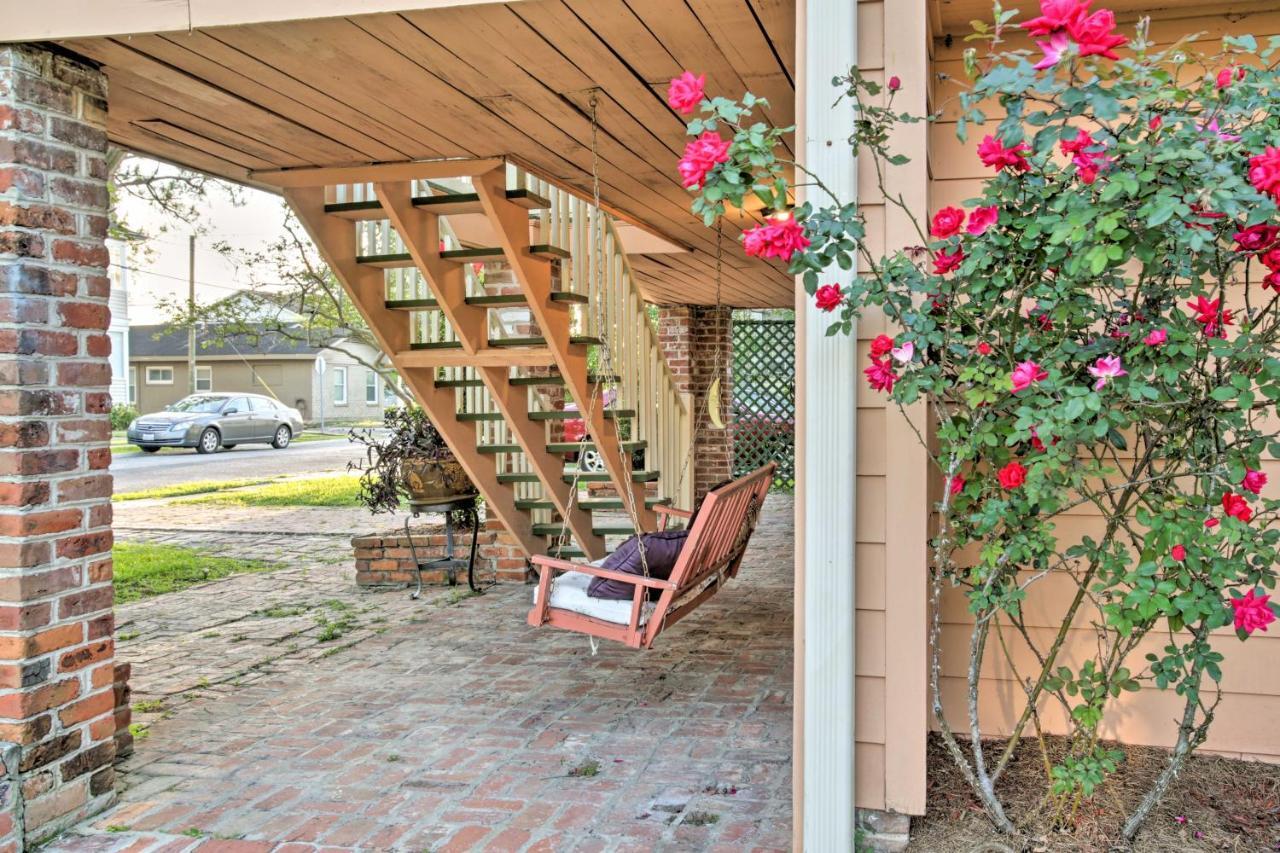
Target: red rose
(1264, 172)
(1255, 238)
(881, 346)
(1178, 553)
(894, 83)
(778, 238)
(944, 262)
(984, 348)
(828, 297)
(1236, 506)
(1271, 259)
(1095, 34)
(702, 155)
(956, 485)
(880, 375)
(1224, 78)
(1056, 15)
(1012, 476)
(947, 222)
(992, 152)
(685, 92)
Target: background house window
(339, 386)
(204, 378)
(159, 375)
(371, 388)
(133, 386)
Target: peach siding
(891, 711)
(1251, 678)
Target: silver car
(210, 421)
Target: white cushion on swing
(569, 592)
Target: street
(138, 471)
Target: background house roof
(160, 340)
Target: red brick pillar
(57, 714)
(697, 341)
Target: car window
(262, 404)
(199, 403)
(240, 404)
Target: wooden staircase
(499, 298)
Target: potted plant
(407, 458)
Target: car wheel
(209, 441)
(150, 449)
(592, 462)
(283, 436)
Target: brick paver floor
(453, 725)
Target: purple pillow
(661, 550)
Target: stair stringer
(335, 239)
(510, 221)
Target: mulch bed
(1215, 804)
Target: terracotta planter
(435, 480)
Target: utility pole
(191, 314)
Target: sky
(161, 270)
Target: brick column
(57, 708)
(691, 336)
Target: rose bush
(1100, 327)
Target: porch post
(826, 34)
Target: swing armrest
(667, 512)
(556, 565)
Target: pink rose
(992, 152)
(1178, 553)
(1264, 172)
(701, 155)
(894, 83)
(1271, 258)
(1213, 321)
(778, 238)
(1027, 374)
(1057, 15)
(1104, 369)
(1053, 48)
(1255, 238)
(1224, 78)
(1012, 476)
(1095, 34)
(947, 222)
(1252, 613)
(981, 219)
(944, 262)
(1272, 281)
(685, 92)
(1155, 123)
(880, 375)
(881, 346)
(1253, 481)
(828, 297)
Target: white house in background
(123, 383)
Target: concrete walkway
(453, 725)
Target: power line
(198, 281)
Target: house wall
(356, 407)
(1251, 679)
(118, 331)
(287, 379)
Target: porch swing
(719, 529)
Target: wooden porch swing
(712, 554)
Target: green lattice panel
(764, 401)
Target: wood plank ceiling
(494, 80)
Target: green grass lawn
(143, 569)
(338, 490)
(195, 487)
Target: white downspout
(827, 36)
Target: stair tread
(445, 204)
(557, 447)
(589, 504)
(553, 528)
(569, 415)
(488, 300)
(557, 379)
(537, 341)
(603, 477)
